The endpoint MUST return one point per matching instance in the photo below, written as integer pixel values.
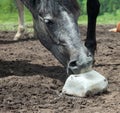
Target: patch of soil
(31, 79)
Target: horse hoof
(17, 37)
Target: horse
(55, 25)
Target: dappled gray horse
(55, 25)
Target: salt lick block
(85, 84)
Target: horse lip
(78, 70)
(74, 70)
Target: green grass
(9, 21)
(103, 19)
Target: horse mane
(48, 6)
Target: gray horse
(55, 25)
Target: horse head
(55, 25)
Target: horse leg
(21, 26)
(92, 11)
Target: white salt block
(85, 84)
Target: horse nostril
(72, 67)
(72, 64)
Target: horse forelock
(52, 6)
(72, 6)
(48, 6)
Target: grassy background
(9, 21)
(102, 19)
(109, 13)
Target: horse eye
(48, 21)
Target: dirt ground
(31, 79)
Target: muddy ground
(31, 79)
